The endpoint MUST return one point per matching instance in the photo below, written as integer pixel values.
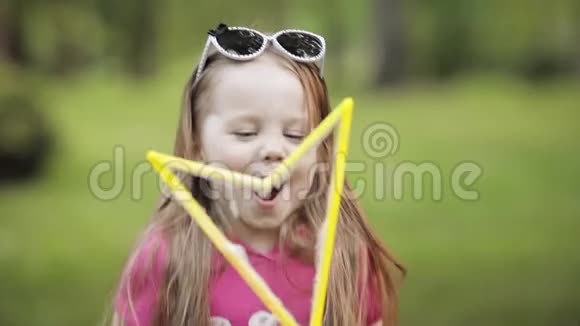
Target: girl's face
(253, 117)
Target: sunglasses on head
(241, 43)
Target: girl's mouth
(268, 199)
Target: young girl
(247, 106)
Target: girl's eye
(245, 134)
(295, 136)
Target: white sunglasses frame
(212, 42)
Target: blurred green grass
(509, 258)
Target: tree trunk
(12, 34)
(390, 42)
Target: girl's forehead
(262, 86)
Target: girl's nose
(273, 151)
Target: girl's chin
(260, 221)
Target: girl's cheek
(307, 164)
(303, 176)
(235, 162)
(239, 156)
(225, 153)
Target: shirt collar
(273, 254)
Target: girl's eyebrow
(255, 119)
(297, 121)
(244, 117)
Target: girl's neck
(259, 240)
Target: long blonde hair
(184, 298)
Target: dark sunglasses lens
(241, 42)
(302, 45)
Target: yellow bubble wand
(164, 164)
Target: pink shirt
(232, 302)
